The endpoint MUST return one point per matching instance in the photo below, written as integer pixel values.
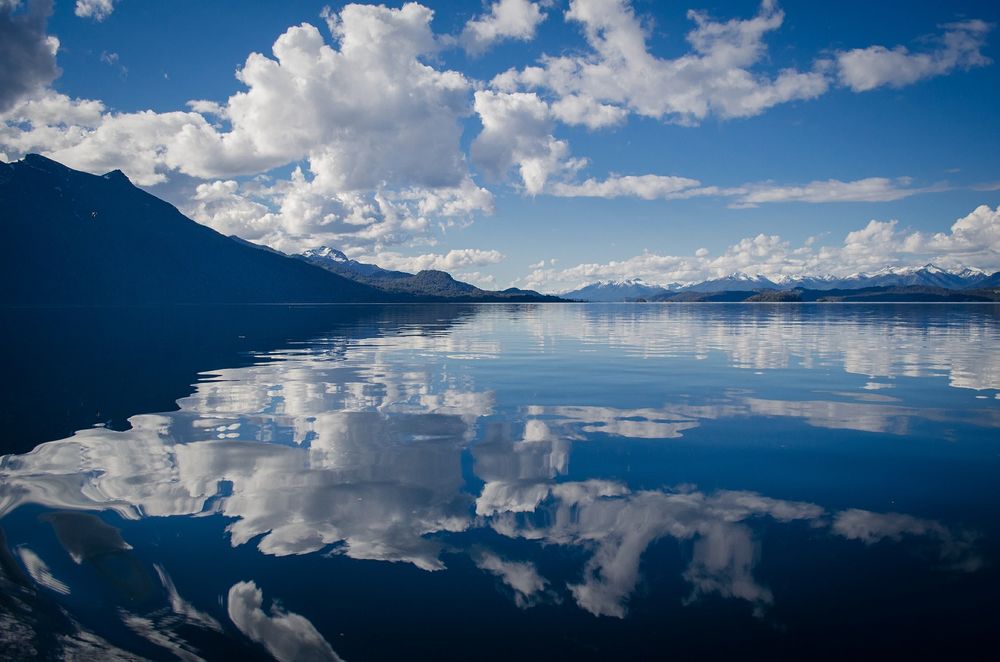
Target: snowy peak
(630, 289)
(928, 275)
(326, 253)
(737, 280)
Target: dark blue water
(456, 482)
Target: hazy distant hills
(911, 283)
(70, 237)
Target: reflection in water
(286, 636)
(411, 441)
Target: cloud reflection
(356, 447)
(286, 635)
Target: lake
(500, 481)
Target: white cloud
(959, 47)
(286, 635)
(871, 189)
(973, 240)
(517, 132)
(303, 212)
(507, 19)
(368, 114)
(462, 258)
(660, 187)
(647, 187)
(479, 279)
(379, 131)
(577, 109)
(27, 52)
(715, 77)
(97, 10)
(113, 60)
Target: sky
(535, 144)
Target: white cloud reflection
(356, 447)
(286, 635)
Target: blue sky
(538, 144)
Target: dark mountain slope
(69, 237)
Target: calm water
(456, 482)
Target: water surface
(535, 481)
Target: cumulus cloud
(366, 114)
(507, 19)
(303, 212)
(286, 635)
(98, 10)
(378, 129)
(973, 240)
(517, 133)
(27, 52)
(958, 47)
(715, 78)
(579, 110)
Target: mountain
(426, 283)
(732, 282)
(333, 260)
(609, 291)
(927, 276)
(75, 238)
(991, 281)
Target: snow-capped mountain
(734, 281)
(621, 290)
(325, 253)
(337, 262)
(928, 275)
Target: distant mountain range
(429, 282)
(929, 277)
(70, 237)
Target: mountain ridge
(75, 238)
(427, 282)
(928, 275)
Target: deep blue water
(535, 481)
